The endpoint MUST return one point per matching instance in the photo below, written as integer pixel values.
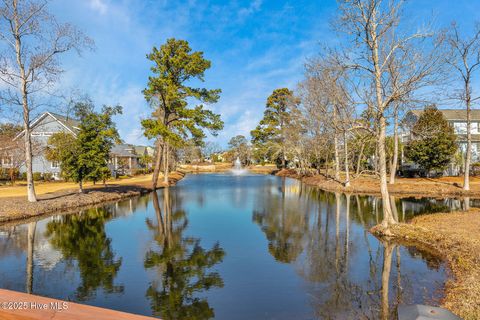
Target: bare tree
(32, 41)
(327, 86)
(373, 27)
(465, 60)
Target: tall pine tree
(269, 136)
(169, 92)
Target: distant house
(458, 119)
(42, 128)
(124, 158)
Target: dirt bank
(403, 187)
(16, 208)
(223, 167)
(205, 167)
(456, 238)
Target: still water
(226, 247)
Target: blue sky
(255, 46)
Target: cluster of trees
(353, 95)
(86, 156)
(8, 132)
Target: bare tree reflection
(30, 245)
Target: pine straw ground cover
(18, 208)
(456, 238)
(403, 187)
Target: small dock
(21, 306)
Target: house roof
(140, 150)
(70, 124)
(454, 114)
(124, 150)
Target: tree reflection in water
(82, 238)
(183, 265)
(317, 241)
(283, 223)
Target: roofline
(449, 119)
(43, 115)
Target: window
(460, 127)
(7, 161)
(55, 164)
(474, 127)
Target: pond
(227, 247)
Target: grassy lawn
(19, 189)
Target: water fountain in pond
(237, 168)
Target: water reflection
(319, 244)
(182, 264)
(293, 252)
(82, 239)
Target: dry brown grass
(265, 169)
(20, 190)
(67, 198)
(368, 184)
(455, 237)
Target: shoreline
(16, 208)
(68, 201)
(403, 187)
(454, 238)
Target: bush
(37, 176)
(23, 176)
(47, 176)
(136, 172)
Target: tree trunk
(382, 162)
(387, 209)
(32, 197)
(359, 160)
(158, 161)
(80, 186)
(335, 143)
(393, 165)
(468, 154)
(345, 148)
(165, 163)
(337, 160)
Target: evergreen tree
(269, 137)
(433, 145)
(168, 92)
(240, 148)
(86, 156)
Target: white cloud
(98, 5)
(252, 8)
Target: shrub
(47, 176)
(37, 176)
(140, 171)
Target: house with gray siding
(42, 128)
(457, 118)
(124, 158)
